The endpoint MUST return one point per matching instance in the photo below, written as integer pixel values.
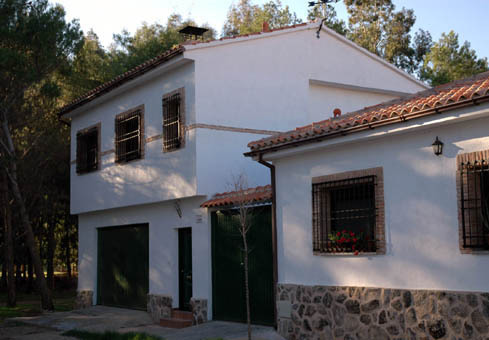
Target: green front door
(123, 275)
(185, 267)
(227, 267)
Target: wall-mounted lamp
(437, 146)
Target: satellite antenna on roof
(324, 3)
(193, 33)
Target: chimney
(193, 33)
(336, 112)
(265, 27)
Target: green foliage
(327, 11)
(379, 28)
(448, 61)
(245, 17)
(85, 335)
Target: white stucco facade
(420, 195)
(235, 91)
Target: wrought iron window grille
(344, 205)
(474, 203)
(128, 136)
(172, 123)
(87, 150)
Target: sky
(468, 18)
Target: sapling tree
(245, 214)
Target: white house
(383, 219)
(149, 147)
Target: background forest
(46, 62)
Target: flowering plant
(346, 239)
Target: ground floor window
(347, 211)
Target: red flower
(353, 247)
(338, 234)
(354, 240)
(344, 231)
(356, 253)
(352, 234)
(342, 239)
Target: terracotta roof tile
(259, 194)
(429, 101)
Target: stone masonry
(84, 299)
(159, 307)
(199, 310)
(353, 313)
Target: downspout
(274, 236)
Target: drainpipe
(274, 236)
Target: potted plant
(345, 241)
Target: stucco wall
(163, 245)
(420, 210)
(158, 176)
(220, 159)
(264, 83)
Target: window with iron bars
(344, 215)
(87, 150)
(474, 203)
(172, 123)
(128, 136)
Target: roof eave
(118, 81)
(369, 126)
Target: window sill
(471, 251)
(316, 253)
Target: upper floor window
(129, 135)
(474, 200)
(87, 150)
(347, 212)
(173, 125)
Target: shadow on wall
(421, 215)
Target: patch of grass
(84, 335)
(30, 304)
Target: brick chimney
(336, 112)
(265, 27)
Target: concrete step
(175, 323)
(182, 315)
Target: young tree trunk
(46, 298)
(30, 274)
(9, 245)
(50, 254)
(67, 251)
(247, 286)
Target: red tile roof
(260, 194)
(147, 66)
(469, 91)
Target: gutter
(369, 126)
(274, 237)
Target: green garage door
(227, 267)
(123, 254)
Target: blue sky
(466, 17)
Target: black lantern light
(437, 146)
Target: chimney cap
(336, 112)
(265, 27)
(192, 30)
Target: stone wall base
(84, 299)
(199, 310)
(159, 307)
(355, 313)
